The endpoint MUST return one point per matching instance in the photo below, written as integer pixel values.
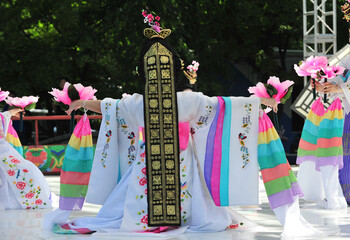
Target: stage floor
(27, 224)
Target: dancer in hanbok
(22, 185)
(197, 155)
(339, 87)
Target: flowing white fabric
(327, 193)
(307, 177)
(22, 185)
(108, 171)
(22, 191)
(294, 224)
(333, 192)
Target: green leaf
(30, 106)
(287, 96)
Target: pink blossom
(281, 87)
(150, 17)
(61, 96)
(21, 102)
(332, 71)
(259, 90)
(302, 69)
(337, 70)
(38, 202)
(156, 28)
(157, 18)
(144, 13)
(193, 67)
(317, 62)
(311, 66)
(143, 181)
(10, 172)
(21, 185)
(157, 23)
(328, 72)
(145, 219)
(29, 195)
(3, 95)
(195, 64)
(15, 161)
(85, 93)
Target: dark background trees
(97, 42)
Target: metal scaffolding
(320, 39)
(319, 27)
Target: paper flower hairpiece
(191, 74)
(152, 20)
(193, 67)
(3, 95)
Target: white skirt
(22, 185)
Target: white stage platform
(27, 224)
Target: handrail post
(36, 133)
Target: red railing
(49, 118)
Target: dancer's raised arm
(92, 105)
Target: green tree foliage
(97, 42)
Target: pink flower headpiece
(152, 20)
(317, 68)
(274, 88)
(193, 67)
(85, 93)
(22, 102)
(3, 95)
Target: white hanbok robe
(118, 177)
(118, 180)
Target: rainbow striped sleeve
(280, 182)
(13, 139)
(308, 141)
(329, 143)
(76, 169)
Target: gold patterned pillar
(162, 144)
